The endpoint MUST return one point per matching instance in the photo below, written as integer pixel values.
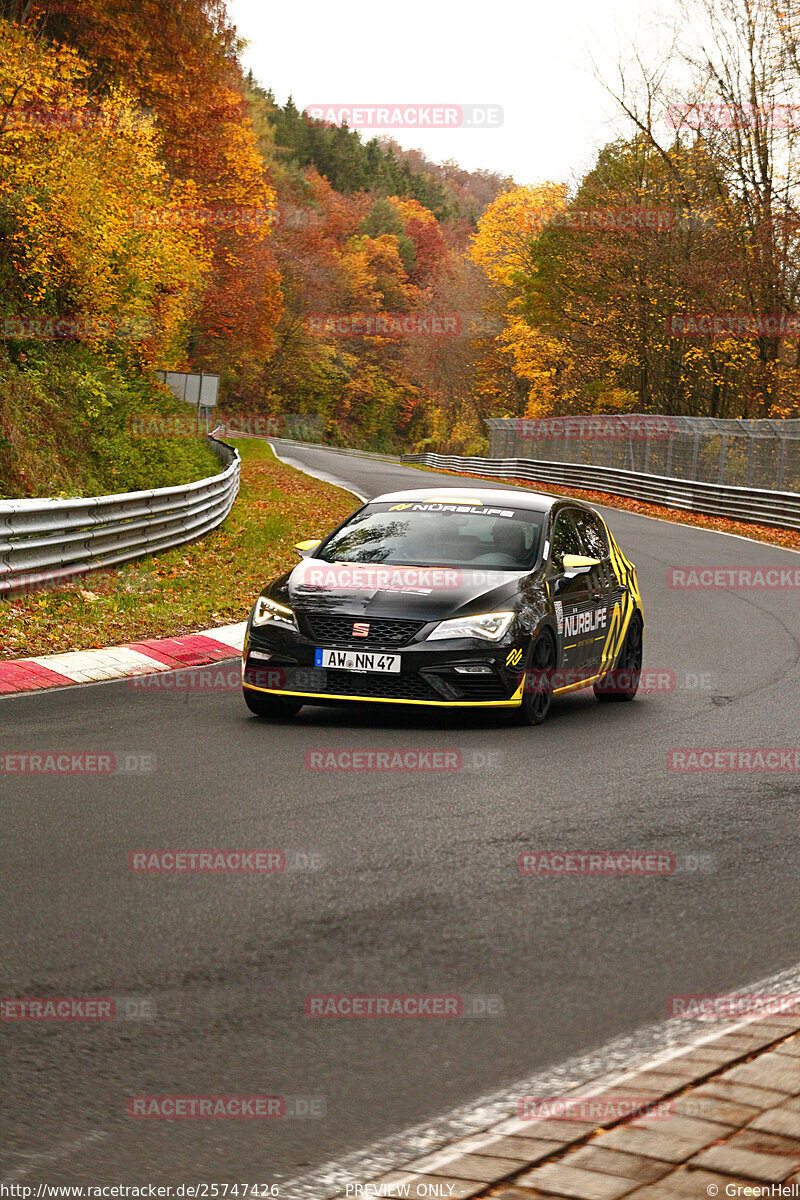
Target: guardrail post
(781, 462)
(723, 442)
(670, 444)
(751, 446)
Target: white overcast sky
(532, 57)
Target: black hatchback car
(454, 598)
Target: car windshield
(434, 534)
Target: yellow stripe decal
(514, 702)
(576, 687)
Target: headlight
(490, 627)
(267, 612)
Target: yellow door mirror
(578, 563)
(304, 547)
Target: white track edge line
(394, 1152)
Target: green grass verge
(69, 427)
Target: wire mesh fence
(754, 454)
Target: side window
(565, 540)
(593, 534)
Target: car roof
(537, 501)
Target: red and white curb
(119, 662)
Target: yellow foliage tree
(75, 177)
(503, 245)
(504, 248)
(411, 210)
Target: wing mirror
(577, 563)
(574, 565)
(306, 547)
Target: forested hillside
(158, 208)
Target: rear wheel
(622, 681)
(270, 706)
(537, 687)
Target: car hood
(424, 593)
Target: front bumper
(280, 662)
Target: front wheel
(270, 706)
(622, 681)
(537, 682)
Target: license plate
(357, 660)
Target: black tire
(270, 706)
(622, 681)
(536, 699)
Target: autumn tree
(73, 174)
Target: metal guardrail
(395, 458)
(778, 509)
(225, 431)
(46, 541)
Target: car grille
(338, 630)
(381, 687)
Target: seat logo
(361, 629)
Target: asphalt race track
(418, 892)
